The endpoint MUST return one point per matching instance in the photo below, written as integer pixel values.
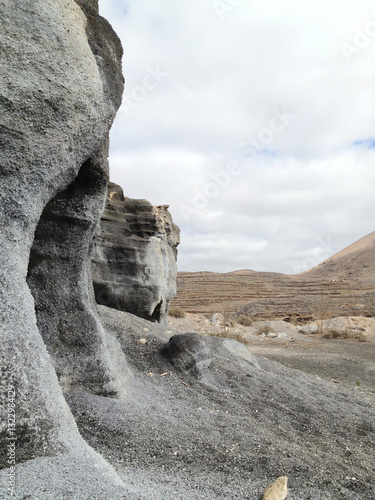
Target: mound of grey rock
(61, 85)
(188, 353)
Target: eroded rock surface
(134, 259)
(61, 85)
(188, 353)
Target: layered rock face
(134, 259)
(61, 85)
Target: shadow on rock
(188, 353)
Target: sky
(254, 121)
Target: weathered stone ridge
(134, 259)
(61, 85)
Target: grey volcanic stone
(241, 351)
(134, 259)
(60, 87)
(188, 353)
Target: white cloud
(225, 81)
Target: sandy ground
(228, 435)
(233, 432)
(346, 362)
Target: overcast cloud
(254, 121)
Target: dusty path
(343, 362)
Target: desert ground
(348, 360)
(302, 407)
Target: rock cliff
(61, 85)
(134, 259)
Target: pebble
(282, 335)
(272, 335)
(277, 490)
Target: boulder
(309, 328)
(188, 353)
(241, 351)
(61, 85)
(134, 259)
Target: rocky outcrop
(134, 258)
(61, 85)
(188, 353)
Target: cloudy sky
(255, 122)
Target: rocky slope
(134, 258)
(228, 432)
(343, 285)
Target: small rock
(282, 335)
(168, 332)
(272, 335)
(146, 330)
(215, 320)
(277, 490)
(310, 328)
(142, 341)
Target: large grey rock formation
(134, 259)
(61, 85)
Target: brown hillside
(355, 261)
(342, 285)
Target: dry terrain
(347, 360)
(341, 286)
(246, 422)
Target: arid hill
(342, 285)
(357, 261)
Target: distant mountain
(342, 285)
(355, 261)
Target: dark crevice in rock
(156, 314)
(59, 278)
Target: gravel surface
(231, 433)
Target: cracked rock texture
(188, 353)
(134, 259)
(61, 85)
